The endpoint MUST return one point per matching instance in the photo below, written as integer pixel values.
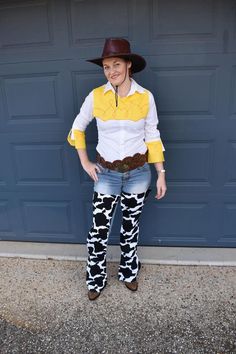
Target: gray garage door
(190, 47)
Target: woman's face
(116, 70)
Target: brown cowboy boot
(133, 286)
(93, 294)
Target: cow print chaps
(103, 209)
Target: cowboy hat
(120, 47)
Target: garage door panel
(181, 223)
(229, 219)
(187, 91)
(187, 95)
(230, 132)
(225, 235)
(80, 11)
(230, 167)
(186, 27)
(173, 18)
(46, 218)
(36, 16)
(181, 129)
(31, 98)
(199, 155)
(230, 33)
(50, 217)
(6, 228)
(31, 103)
(35, 98)
(11, 226)
(6, 168)
(232, 108)
(39, 164)
(2, 182)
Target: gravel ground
(177, 309)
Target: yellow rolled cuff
(79, 139)
(155, 151)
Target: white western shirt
(120, 138)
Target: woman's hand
(91, 168)
(161, 186)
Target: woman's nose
(112, 70)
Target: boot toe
(93, 294)
(133, 286)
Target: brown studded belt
(127, 164)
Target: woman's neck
(124, 88)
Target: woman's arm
(76, 136)
(155, 147)
(161, 182)
(90, 167)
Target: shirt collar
(133, 88)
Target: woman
(128, 140)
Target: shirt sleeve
(76, 136)
(152, 134)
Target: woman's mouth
(114, 77)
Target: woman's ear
(129, 66)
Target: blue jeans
(114, 183)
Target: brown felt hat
(120, 47)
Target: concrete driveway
(178, 309)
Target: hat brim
(138, 62)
